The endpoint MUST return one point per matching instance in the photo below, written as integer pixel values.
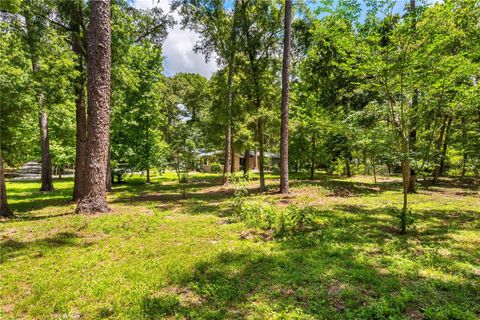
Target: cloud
(178, 47)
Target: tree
(35, 29)
(98, 120)
(285, 92)
(4, 209)
(218, 31)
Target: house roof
(204, 153)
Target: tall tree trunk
(246, 162)
(406, 180)
(46, 172)
(445, 146)
(4, 209)
(79, 48)
(436, 170)
(227, 166)
(412, 188)
(464, 146)
(109, 178)
(261, 161)
(284, 187)
(81, 134)
(47, 180)
(312, 166)
(347, 167)
(98, 120)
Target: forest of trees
(344, 86)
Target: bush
(401, 219)
(258, 214)
(216, 167)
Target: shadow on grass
(354, 266)
(13, 248)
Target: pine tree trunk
(284, 187)
(47, 180)
(436, 171)
(227, 166)
(412, 188)
(246, 162)
(81, 143)
(262, 154)
(445, 147)
(98, 119)
(347, 168)
(109, 178)
(46, 172)
(4, 209)
(312, 166)
(79, 47)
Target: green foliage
(262, 215)
(216, 167)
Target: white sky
(178, 47)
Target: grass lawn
(157, 255)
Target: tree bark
(347, 167)
(4, 209)
(109, 178)
(412, 188)
(246, 162)
(284, 187)
(47, 180)
(445, 146)
(227, 166)
(81, 134)
(436, 170)
(312, 166)
(98, 119)
(464, 146)
(261, 163)
(46, 172)
(79, 48)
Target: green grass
(159, 256)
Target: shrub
(258, 214)
(401, 219)
(216, 167)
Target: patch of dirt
(334, 291)
(255, 235)
(414, 314)
(186, 296)
(340, 192)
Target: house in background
(239, 161)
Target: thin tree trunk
(406, 181)
(436, 171)
(412, 188)
(227, 166)
(464, 146)
(347, 168)
(109, 178)
(79, 47)
(81, 134)
(4, 209)
(312, 166)
(47, 180)
(262, 155)
(98, 120)
(284, 187)
(445, 146)
(246, 162)
(46, 172)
